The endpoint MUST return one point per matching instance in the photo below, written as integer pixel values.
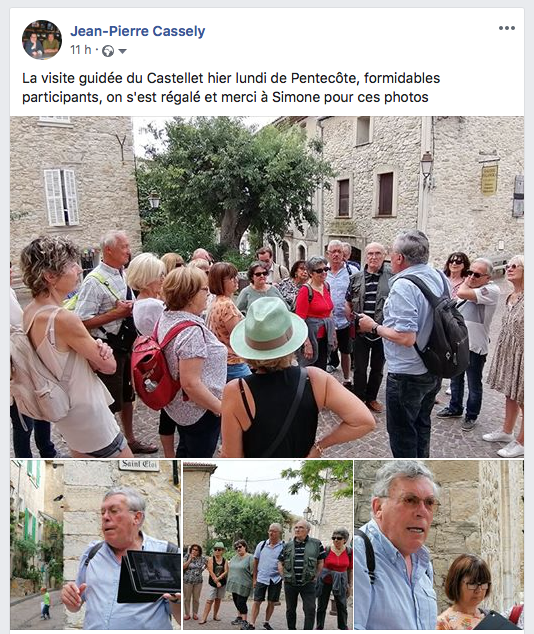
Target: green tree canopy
(314, 474)
(217, 173)
(233, 514)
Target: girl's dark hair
(195, 546)
(468, 568)
(465, 260)
(217, 274)
(240, 542)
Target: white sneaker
(498, 436)
(512, 450)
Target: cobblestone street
(448, 439)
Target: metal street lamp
(154, 200)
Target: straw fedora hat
(268, 331)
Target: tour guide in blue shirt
(408, 318)
(123, 512)
(402, 596)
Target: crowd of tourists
(256, 367)
(302, 567)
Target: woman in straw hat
(273, 413)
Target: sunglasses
(323, 270)
(261, 274)
(513, 267)
(456, 261)
(218, 549)
(236, 546)
(337, 538)
(475, 275)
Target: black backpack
(447, 352)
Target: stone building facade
(85, 484)
(329, 513)
(196, 483)
(72, 176)
(471, 201)
(481, 512)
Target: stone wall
(105, 178)
(481, 512)
(54, 488)
(86, 482)
(451, 208)
(196, 486)
(330, 512)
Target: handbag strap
(290, 415)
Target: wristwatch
(374, 330)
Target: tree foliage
(218, 173)
(314, 474)
(233, 514)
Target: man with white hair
(299, 564)
(122, 516)
(368, 290)
(338, 278)
(478, 297)
(398, 593)
(105, 304)
(266, 578)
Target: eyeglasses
(475, 274)
(456, 261)
(261, 274)
(337, 538)
(512, 266)
(474, 586)
(323, 270)
(236, 546)
(412, 502)
(217, 549)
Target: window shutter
(29, 467)
(71, 197)
(38, 472)
(385, 200)
(26, 523)
(34, 526)
(54, 198)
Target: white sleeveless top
(89, 425)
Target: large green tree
(314, 474)
(219, 173)
(233, 514)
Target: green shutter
(29, 467)
(26, 522)
(34, 527)
(38, 474)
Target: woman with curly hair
(50, 270)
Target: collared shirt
(102, 612)
(478, 316)
(395, 601)
(95, 299)
(407, 310)
(339, 284)
(268, 561)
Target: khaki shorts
(216, 593)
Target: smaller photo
(41, 40)
(438, 544)
(268, 544)
(95, 544)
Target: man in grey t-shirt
(478, 297)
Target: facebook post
(200, 272)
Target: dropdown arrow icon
(122, 50)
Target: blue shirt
(339, 284)
(394, 601)
(102, 612)
(268, 562)
(407, 310)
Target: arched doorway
(285, 253)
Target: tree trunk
(233, 226)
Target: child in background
(45, 603)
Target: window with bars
(343, 198)
(61, 197)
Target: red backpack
(150, 373)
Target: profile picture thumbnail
(41, 39)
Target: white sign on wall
(139, 465)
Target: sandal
(186, 617)
(195, 617)
(216, 618)
(202, 622)
(139, 447)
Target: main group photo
(304, 287)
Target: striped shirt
(298, 561)
(369, 305)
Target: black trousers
(307, 593)
(365, 388)
(322, 606)
(240, 603)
